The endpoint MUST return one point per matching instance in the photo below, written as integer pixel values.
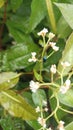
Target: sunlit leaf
(67, 55)
(67, 98)
(63, 29)
(8, 80)
(67, 12)
(1, 3)
(69, 126)
(16, 105)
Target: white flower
(53, 45)
(34, 86)
(51, 35)
(49, 129)
(55, 48)
(53, 69)
(46, 109)
(43, 32)
(8, 81)
(13, 43)
(65, 87)
(37, 109)
(42, 122)
(65, 64)
(33, 59)
(61, 125)
(44, 103)
(67, 83)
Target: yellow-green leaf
(69, 126)
(16, 105)
(67, 56)
(1, 3)
(8, 80)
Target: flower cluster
(43, 32)
(33, 59)
(61, 125)
(53, 69)
(42, 122)
(64, 88)
(53, 45)
(34, 86)
(51, 35)
(65, 64)
(43, 107)
(37, 109)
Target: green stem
(65, 110)
(43, 52)
(54, 112)
(70, 74)
(52, 77)
(52, 84)
(50, 54)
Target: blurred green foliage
(20, 21)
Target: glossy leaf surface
(16, 105)
(67, 99)
(66, 10)
(8, 80)
(67, 55)
(17, 56)
(69, 126)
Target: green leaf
(7, 122)
(69, 126)
(63, 29)
(34, 124)
(15, 4)
(1, 3)
(17, 31)
(37, 75)
(17, 56)
(67, 99)
(67, 12)
(38, 12)
(8, 80)
(67, 55)
(38, 97)
(16, 105)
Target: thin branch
(4, 21)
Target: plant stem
(2, 26)
(54, 112)
(70, 112)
